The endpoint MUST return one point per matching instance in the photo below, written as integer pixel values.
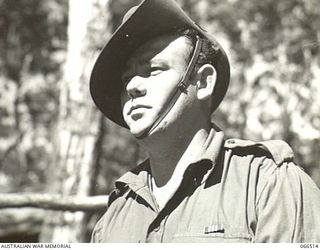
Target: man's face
(150, 78)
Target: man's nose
(136, 87)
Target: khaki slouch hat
(140, 24)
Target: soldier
(161, 76)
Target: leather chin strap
(182, 87)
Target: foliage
(32, 45)
(274, 90)
(274, 51)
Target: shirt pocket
(227, 234)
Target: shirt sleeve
(287, 207)
(96, 233)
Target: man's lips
(138, 106)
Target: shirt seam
(267, 182)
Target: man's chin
(140, 132)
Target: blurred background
(54, 141)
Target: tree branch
(54, 202)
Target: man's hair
(208, 52)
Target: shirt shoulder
(279, 151)
(259, 161)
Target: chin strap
(182, 87)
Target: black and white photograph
(159, 121)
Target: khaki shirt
(236, 191)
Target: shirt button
(231, 141)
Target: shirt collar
(201, 168)
(136, 178)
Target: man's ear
(206, 80)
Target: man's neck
(170, 155)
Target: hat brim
(150, 19)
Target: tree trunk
(77, 128)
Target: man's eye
(155, 71)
